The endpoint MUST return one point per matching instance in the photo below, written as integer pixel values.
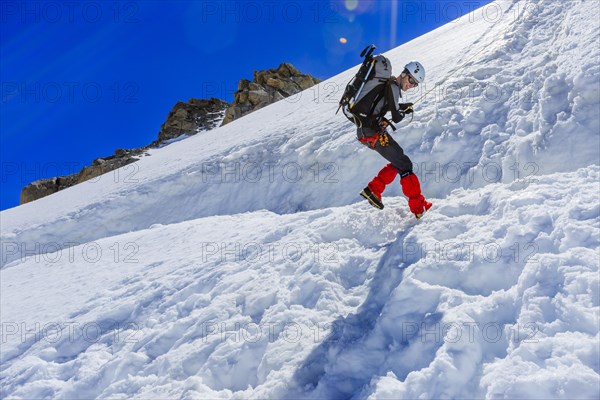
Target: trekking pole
(363, 84)
(366, 54)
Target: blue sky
(80, 79)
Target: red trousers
(410, 187)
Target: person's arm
(391, 99)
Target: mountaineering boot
(373, 199)
(426, 207)
(412, 189)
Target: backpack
(367, 89)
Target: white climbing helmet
(416, 70)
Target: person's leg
(399, 163)
(392, 152)
(411, 187)
(370, 138)
(383, 178)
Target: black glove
(405, 108)
(399, 117)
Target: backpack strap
(391, 102)
(377, 99)
(363, 111)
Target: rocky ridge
(193, 117)
(267, 87)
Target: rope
(453, 72)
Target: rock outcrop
(267, 87)
(44, 187)
(192, 117)
(184, 119)
(188, 119)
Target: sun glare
(351, 5)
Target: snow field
(519, 112)
(241, 262)
(185, 310)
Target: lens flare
(351, 5)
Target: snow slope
(241, 262)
